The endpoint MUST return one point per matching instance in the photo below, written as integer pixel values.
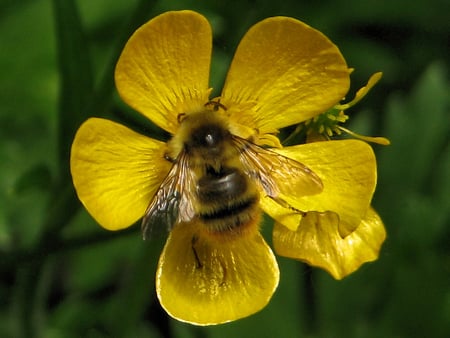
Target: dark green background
(64, 276)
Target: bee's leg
(197, 259)
(286, 205)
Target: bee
(217, 179)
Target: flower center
(327, 123)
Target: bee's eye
(209, 140)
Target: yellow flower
(326, 239)
(283, 73)
(341, 231)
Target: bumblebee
(217, 178)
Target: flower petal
(288, 70)
(115, 171)
(164, 68)
(317, 242)
(347, 169)
(205, 282)
(373, 80)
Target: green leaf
(36, 178)
(418, 128)
(430, 102)
(76, 75)
(101, 99)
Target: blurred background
(64, 276)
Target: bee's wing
(172, 202)
(276, 173)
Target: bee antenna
(216, 105)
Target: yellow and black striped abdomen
(227, 200)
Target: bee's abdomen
(221, 187)
(228, 200)
(233, 210)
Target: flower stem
(309, 299)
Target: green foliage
(64, 276)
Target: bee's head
(202, 135)
(207, 140)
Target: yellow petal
(115, 171)
(288, 70)
(204, 282)
(317, 242)
(347, 169)
(361, 92)
(164, 68)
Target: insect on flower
(224, 164)
(216, 178)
